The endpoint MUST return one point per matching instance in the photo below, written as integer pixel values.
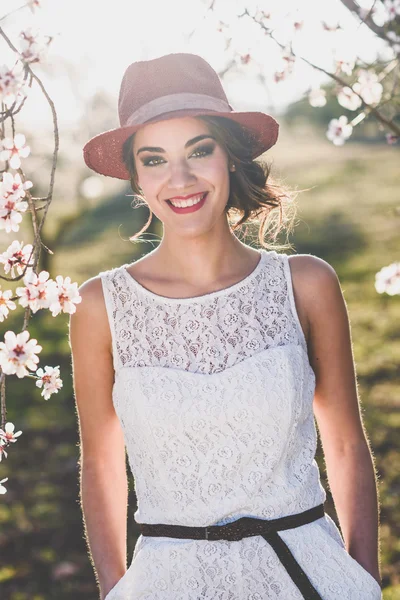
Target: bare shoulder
(92, 290)
(92, 295)
(311, 270)
(91, 312)
(316, 287)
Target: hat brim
(103, 153)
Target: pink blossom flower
(10, 214)
(11, 206)
(8, 434)
(17, 354)
(317, 97)
(368, 87)
(64, 569)
(34, 5)
(339, 130)
(387, 280)
(14, 149)
(12, 85)
(17, 256)
(392, 8)
(3, 490)
(3, 446)
(391, 138)
(35, 292)
(50, 380)
(6, 304)
(63, 295)
(344, 66)
(33, 45)
(348, 99)
(12, 185)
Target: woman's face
(179, 157)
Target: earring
(233, 167)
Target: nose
(180, 176)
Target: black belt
(247, 527)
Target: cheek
(214, 171)
(151, 178)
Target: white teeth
(190, 202)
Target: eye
(204, 150)
(201, 151)
(147, 162)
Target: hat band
(173, 102)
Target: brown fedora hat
(174, 85)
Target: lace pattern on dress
(208, 333)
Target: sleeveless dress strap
(289, 283)
(109, 293)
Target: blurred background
(349, 217)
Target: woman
(208, 360)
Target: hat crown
(147, 81)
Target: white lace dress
(215, 398)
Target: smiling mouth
(195, 199)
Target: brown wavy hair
(254, 196)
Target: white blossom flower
(348, 99)
(3, 446)
(3, 490)
(34, 4)
(17, 354)
(391, 138)
(345, 66)
(12, 185)
(8, 434)
(330, 25)
(368, 87)
(13, 150)
(63, 295)
(392, 8)
(6, 304)
(279, 76)
(12, 85)
(16, 256)
(34, 45)
(388, 279)
(63, 570)
(317, 97)
(50, 380)
(11, 206)
(34, 294)
(339, 130)
(263, 17)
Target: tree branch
(390, 124)
(354, 7)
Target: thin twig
(12, 12)
(55, 125)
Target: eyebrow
(189, 143)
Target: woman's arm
(348, 459)
(104, 487)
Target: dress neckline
(203, 297)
